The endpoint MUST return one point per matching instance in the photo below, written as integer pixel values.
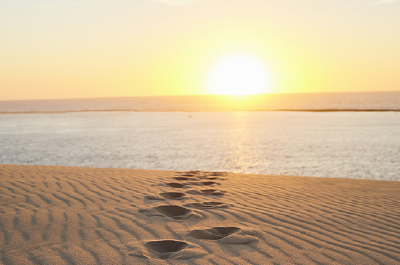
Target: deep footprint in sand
(166, 196)
(173, 195)
(212, 192)
(207, 205)
(227, 235)
(208, 183)
(214, 233)
(175, 185)
(174, 212)
(154, 198)
(181, 178)
(203, 183)
(167, 249)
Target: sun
(239, 74)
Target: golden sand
(71, 215)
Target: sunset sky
(79, 49)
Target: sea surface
(340, 144)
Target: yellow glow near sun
(239, 74)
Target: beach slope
(71, 215)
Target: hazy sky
(74, 49)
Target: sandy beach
(71, 215)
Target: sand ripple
(67, 215)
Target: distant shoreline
(331, 102)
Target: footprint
(175, 185)
(154, 198)
(181, 178)
(175, 212)
(213, 192)
(214, 233)
(166, 196)
(209, 205)
(208, 183)
(173, 195)
(207, 192)
(227, 235)
(189, 175)
(166, 249)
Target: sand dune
(67, 215)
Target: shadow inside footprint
(226, 235)
(166, 195)
(175, 185)
(214, 233)
(181, 178)
(173, 195)
(175, 212)
(207, 192)
(165, 248)
(212, 192)
(203, 205)
(153, 198)
(208, 183)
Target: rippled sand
(71, 215)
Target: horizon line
(186, 111)
(208, 95)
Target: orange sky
(76, 49)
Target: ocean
(329, 140)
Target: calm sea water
(323, 144)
